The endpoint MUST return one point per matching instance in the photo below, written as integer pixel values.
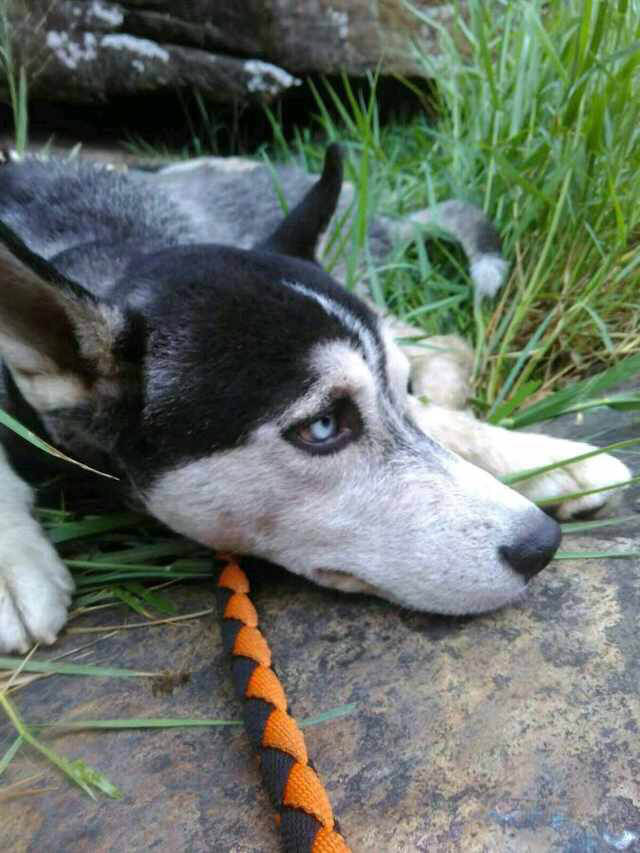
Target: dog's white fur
(502, 452)
(488, 274)
(35, 585)
(277, 492)
(442, 373)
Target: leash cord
(303, 810)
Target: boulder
(512, 731)
(88, 51)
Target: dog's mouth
(343, 581)
(346, 582)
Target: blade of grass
(91, 526)
(141, 572)
(503, 410)
(9, 755)
(557, 403)
(141, 553)
(19, 789)
(78, 771)
(9, 663)
(536, 278)
(523, 357)
(146, 598)
(96, 629)
(573, 495)
(138, 723)
(184, 722)
(327, 716)
(597, 555)
(11, 423)
(586, 526)
(527, 474)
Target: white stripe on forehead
(372, 351)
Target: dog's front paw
(596, 472)
(35, 588)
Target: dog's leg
(501, 452)
(35, 586)
(442, 375)
(440, 366)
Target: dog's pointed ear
(298, 235)
(55, 337)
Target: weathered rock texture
(513, 732)
(92, 50)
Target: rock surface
(514, 732)
(89, 51)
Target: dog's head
(258, 407)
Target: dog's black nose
(536, 546)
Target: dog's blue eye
(323, 429)
(329, 431)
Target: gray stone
(81, 52)
(513, 731)
(94, 50)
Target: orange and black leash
(303, 810)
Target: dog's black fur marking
(211, 337)
(239, 359)
(488, 240)
(299, 233)
(42, 268)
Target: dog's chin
(490, 604)
(346, 582)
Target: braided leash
(303, 810)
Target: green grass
(535, 117)
(15, 79)
(539, 123)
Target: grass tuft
(538, 123)
(15, 80)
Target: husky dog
(173, 330)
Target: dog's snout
(535, 547)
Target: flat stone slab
(514, 731)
